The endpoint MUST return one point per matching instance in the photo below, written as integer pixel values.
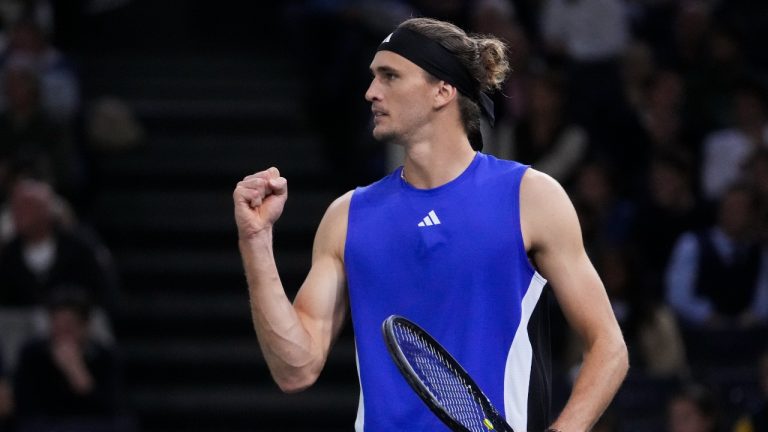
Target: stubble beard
(386, 137)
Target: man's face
(401, 98)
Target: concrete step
(137, 67)
(176, 159)
(321, 408)
(197, 211)
(221, 360)
(196, 263)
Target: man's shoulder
(546, 211)
(539, 185)
(342, 202)
(340, 206)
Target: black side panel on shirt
(540, 386)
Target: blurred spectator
(586, 30)
(667, 207)
(44, 254)
(693, 408)
(591, 36)
(693, 26)
(650, 328)
(655, 124)
(59, 85)
(747, 19)
(63, 22)
(68, 378)
(637, 70)
(29, 139)
(6, 398)
(711, 61)
(653, 24)
(38, 11)
(3, 34)
(758, 420)
(662, 115)
(757, 176)
(500, 18)
(719, 276)
(605, 216)
(725, 151)
(544, 137)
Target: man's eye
(390, 76)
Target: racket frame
(421, 389)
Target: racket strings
(443, 380)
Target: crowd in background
(653, 114)
(59, 367)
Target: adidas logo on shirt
(430, 219)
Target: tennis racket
(439, 379)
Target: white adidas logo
(430, 219)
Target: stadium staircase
(192, 360)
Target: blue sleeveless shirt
(451, 259)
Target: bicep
(553, 233)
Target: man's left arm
(553, 238)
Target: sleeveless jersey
(451, 259)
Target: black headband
(439, 62)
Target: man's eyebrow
(383, 69)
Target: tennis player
(456, 240)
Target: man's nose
(373, 92)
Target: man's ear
(444, 95)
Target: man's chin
(385, 137)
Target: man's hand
(259, 200)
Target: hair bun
(492, 54)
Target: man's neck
(433, 162)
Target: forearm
(285, 343)
(604, 368)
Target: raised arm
(295, 337)
(553, 238)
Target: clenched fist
(259, 201)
